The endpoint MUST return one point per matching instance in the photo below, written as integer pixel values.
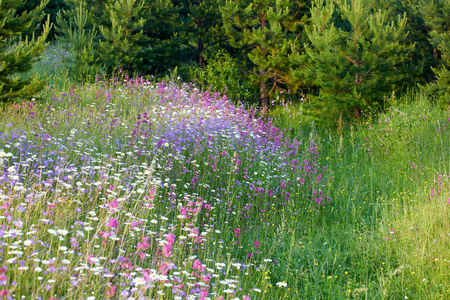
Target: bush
(221, 74)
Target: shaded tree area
(350, 53)
(266, 32)
(51, 9)
(356, 54)
(19, 48)
(436, 14)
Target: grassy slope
(390, 234)
(382, 236)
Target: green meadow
(135, 189)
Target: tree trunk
(201, 59)
(355, 109)
(356, 112)
(262, 73)
(262, 91)
(200, 53)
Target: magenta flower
(142, 245)
(111, 291)
(113, 204)
(164, 268)
(204, 293)
(112, 223)
(170, 238)
(237, 232)
(167, 250)
(198, 265)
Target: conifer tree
(203, 27)
(125, 34)
(164, 49)
(52, 8)
(17, 55)
(77, 33)
(422, 54)
(267, 31)
(437, 17)
(356, 54)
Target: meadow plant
(131, 189)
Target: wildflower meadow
(133, 188)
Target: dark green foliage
(356, 55)
(136, 36)
(78, 35)
(422, 54)
(164, 49)
(222, 74)
(123, 40)
(437, 16)
(52, 8)
(202, 31)
(17, 55)
(266, 32)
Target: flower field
(142, 190)
(137, 189)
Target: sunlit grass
(123, 189)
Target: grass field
(135, 189)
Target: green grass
(384, 234)
(384, 171)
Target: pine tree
(123, 37)
(77, 33)
(437, 17)
(52, 8)
(267, 31)
(356, 54)
(422, 54)
(134, 35)
(17, 55)
(202, 32)
(164, 50)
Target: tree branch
(365, 77)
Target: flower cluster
(127, 189)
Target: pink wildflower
(164, 268)
(167, 250)
(113, 204)
(143, 245)
(170, 238)
(146, 273)
(204, 293)
(198, 265)
(111, 291)
(89, 259)
(112, 223)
